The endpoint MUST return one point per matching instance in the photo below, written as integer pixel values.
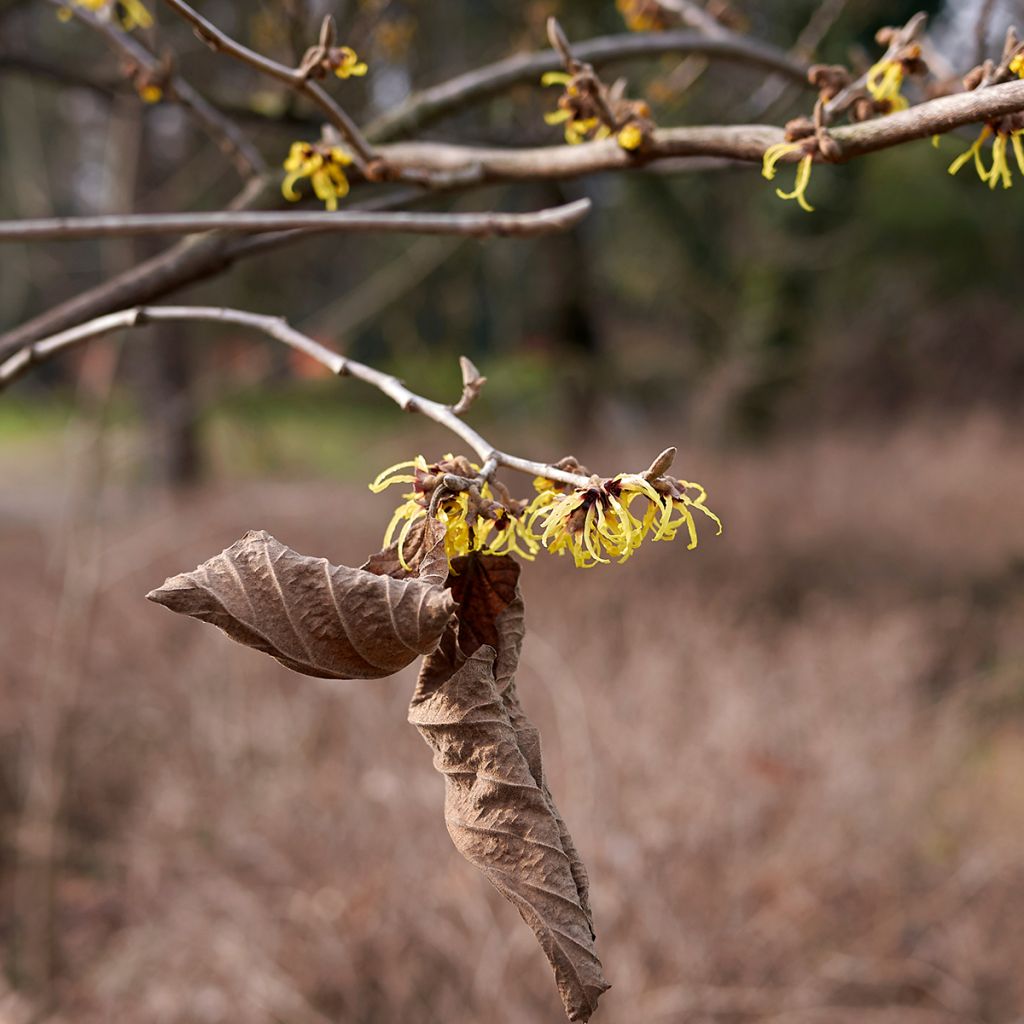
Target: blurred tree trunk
(163, 365)
(165, 386)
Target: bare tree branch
(737, 142)
(195, 259)
(186, 262)
(222, 129)
(477, 225)
(935, 117)
(429, 105)
(276, 327)
(223, 43)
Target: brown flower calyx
(828, 79)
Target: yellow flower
(323, 165)
(474, 520)
(350, 65)
(773, 154)
(642, 15)
(1017, 65)
(151, 94)
(631, 137)
(592, 522)
(1002, 139)
(579, 125)
(132, 13)
(884, 82)
(973, 153)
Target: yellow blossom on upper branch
(131, 13)
(885, 82)
(839, 94)
(324, 165)
(590, 112)
(348, 64)
(773, 154)
(575, 110)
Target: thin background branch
(276, 327)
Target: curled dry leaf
(498, 807)
(319, 619)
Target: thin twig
(223, 43)
(476, 225)
(276, 327)
(222, 129)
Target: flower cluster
(324, 165)
(576, 110)
(593, 524)
(590, 112)
(131, 13)
(475, 521)
(838, 94)
(596, 521)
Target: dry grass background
(792, 761)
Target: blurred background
(792, 759)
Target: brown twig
(477, 225)
(296, 78)
(276, 327)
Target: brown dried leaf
(424, 553)
(319, 619)
(498, 807)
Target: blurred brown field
(792, 760)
